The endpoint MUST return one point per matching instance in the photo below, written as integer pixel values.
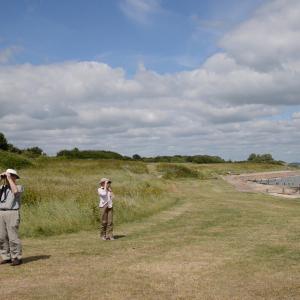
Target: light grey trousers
(10, 244)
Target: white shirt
(106, 197)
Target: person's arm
(109, 189)
(12, 184)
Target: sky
(152, 77)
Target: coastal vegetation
(75, 153)
(181, 232)
(61, 192)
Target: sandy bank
(245, 183)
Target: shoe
(16, 262)
(111, 238)
(5, 261)
(103, 238)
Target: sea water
(292, 181)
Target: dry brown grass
(216, 243)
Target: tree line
(103, 154)
(263, 158)
(31, 152)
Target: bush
(33, 152)
(263, 158)
(14, 149)
(170, 171)
(136, 157)
(89, 154)
(13, 160)
(198, 159)
(205, 159)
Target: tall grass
(61, 195)
(209, 171)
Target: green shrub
(199, 159)
(13, 160)
(263, 158)
(170, 171)
(89, 154)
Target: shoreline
(245, 183)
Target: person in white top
(106, 209)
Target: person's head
(103, 180)
(13, 175)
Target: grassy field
(61, 195)
(183, 233)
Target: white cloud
(229, 106)
(269, 40)
(140, 10)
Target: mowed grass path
(216, 243)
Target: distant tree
(89, 154)
(14, 149)
(252, 157)
(3, 142)
(35, 150)
(127, 157)
(199, 159)
(266, 158)
(263, 158)
(69, 153)
(136, 157)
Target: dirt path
(245, 183)
(215, 244)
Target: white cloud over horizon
(232, 105)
